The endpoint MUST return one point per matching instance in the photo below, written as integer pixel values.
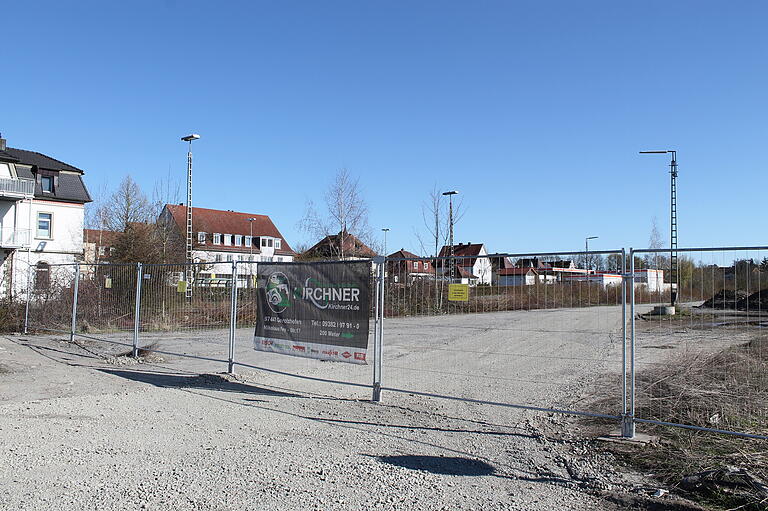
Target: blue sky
(535, 111)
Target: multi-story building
(221, 237)
(41, 216)
(404, 266)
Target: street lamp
(386, 230)
(586, 246)
(190, 273)
(250, 230)
(250, 257)
(673, 278)
(450, 195)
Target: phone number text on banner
(314, 310)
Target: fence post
(378, 312)
(628, 417)
(73, 327)
(380, 354)
(29, 297)
(137, 310)
(232, 320)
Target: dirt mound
(725, 299)
(755, 301)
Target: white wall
(64, 246)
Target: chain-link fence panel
(525, 330)
(700, 329)
(185, 312)
(106, 304)
(50, 297)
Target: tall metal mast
(190, 274)
(450, 195)
(674, 277)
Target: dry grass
(726, 390)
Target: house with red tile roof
(343, 245)
(220, 237)
(403, 266)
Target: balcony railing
(14, 238)
(17, 187)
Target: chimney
(2, 142)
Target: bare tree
(345, 212)
(128, 204)
(170, 243)
(654, 242)
(437, 226)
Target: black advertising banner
(314, 310)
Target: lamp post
(450, 195)
(385, 230)
(586, 256)
(250, 252)
(673, 278)
(190, 273)
(250, 230)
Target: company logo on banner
(315, 310)
(278, 292)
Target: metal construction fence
(583, 333)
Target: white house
(221, 237)
(526, 276)
(41, 217)
(471, 263)
(604, 279)
(651, 280)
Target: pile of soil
(725, 299)
(755, 301)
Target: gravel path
(78, 431)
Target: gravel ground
(83, 429)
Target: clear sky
(534, 111)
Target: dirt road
(78, 431)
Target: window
(250, 258)
(102, 251)
(44, 225)
(267, 259)
(426, 266)
(227, 239)
(42, 276)
(247, 241)
(238, 240)
(277, 244)
(229, 258)
(216, 238)
(263, 242)
(46, 183)
(218, 258)
(269, 242)
(415, 265)
(201, 237)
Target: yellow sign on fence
(458, 292)
(181, 287)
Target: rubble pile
(725, 299)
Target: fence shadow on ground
(203, 381)
(446, 465)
